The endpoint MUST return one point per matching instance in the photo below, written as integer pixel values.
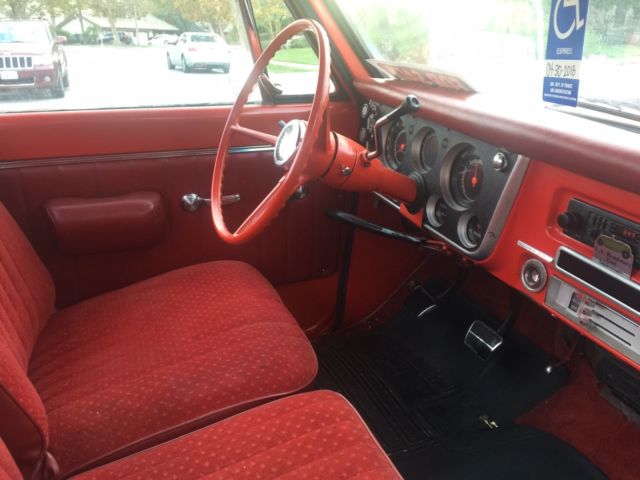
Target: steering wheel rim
(314, 142)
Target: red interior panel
(301, 244)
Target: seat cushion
(164, 356)
(316, 435)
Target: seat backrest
(26, 303)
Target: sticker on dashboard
(614, 254)
(423, 74)
(567, 26)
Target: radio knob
(569, 220)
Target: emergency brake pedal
(482, 340)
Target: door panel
(105, 154)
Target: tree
(216, 13)
(271, 17)
(18, 9)
(112, 10)
(54, 9)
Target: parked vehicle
(163, 39)
(124, 37)
(32, 57)
(199, 50)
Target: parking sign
(567, 26)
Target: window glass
(499, 45)
(294, 68)
(120, 54)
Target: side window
(121, 54)
(294, 68)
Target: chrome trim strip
(534, 251)
(604, 270)
(119, 157)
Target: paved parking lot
(107, 76)
(116, 77)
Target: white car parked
(163, 39)
(199, 50)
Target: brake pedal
(482, 340)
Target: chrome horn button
(288, 141)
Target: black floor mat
(506, 453)
(420, 389)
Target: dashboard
(543, 201)
(469, 185)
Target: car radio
(587, 223)
(612, 327)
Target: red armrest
(99, 225)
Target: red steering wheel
(301, 149)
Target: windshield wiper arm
(611, 107)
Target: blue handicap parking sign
(567, 26)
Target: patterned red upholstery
(144, 363)
(193, 342)
(26, 302)
(315, 435)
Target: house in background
(141, 29)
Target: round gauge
(424, 151)
(466, 178)
(470, 231)
(436, 211)
(395, 145)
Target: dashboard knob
(533, 275)
(500, 162)
(569, 220)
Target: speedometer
(395, 145)
(466, 179)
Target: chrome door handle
(229, 199)
(192, 202)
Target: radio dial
(569, 220)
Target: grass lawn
(305, 55)
(301, 56)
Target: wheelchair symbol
(576, 24)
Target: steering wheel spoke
(255, 134)
(259, 212)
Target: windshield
(205, 38)
(23, 33)
(499, 46)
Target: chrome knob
(191, 202)
(533, 275)
(500, 162)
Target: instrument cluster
(470, 184)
